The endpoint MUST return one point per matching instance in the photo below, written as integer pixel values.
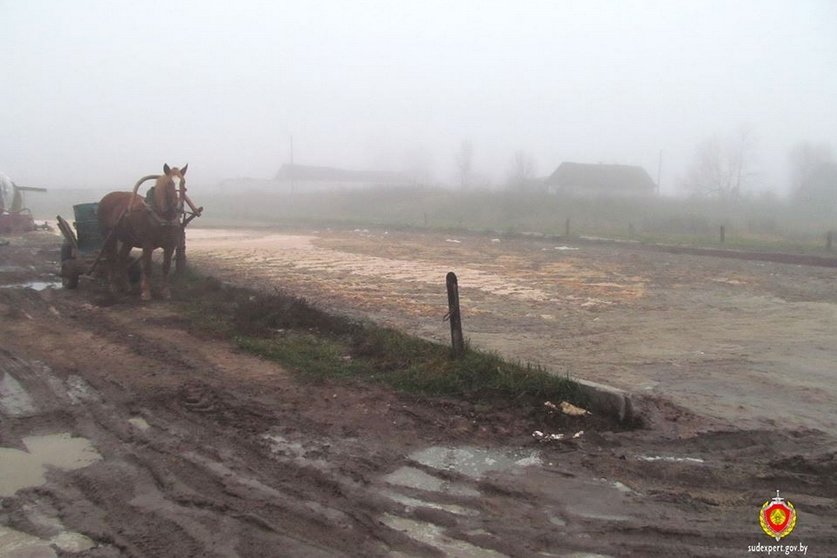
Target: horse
(127, 222)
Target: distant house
(307, 178)
(582, 180)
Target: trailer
(15, 217)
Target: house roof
(626, 178)
(307, 173)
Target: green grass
(316, 346)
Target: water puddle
(295, 452)
(15, 543)
(557, 521)
(476, 462)
(24, 469)
(412, 503)
(14, 401)
(79, 391)
(597, 500)
(670, 459)
(623, 488)
(139, 423)
(34, 285)
(433, 535)
(411, 477)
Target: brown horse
(127, 221)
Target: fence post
(454, 315)
(722, 234)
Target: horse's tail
(137, 185)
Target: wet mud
(145, 438)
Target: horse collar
(160, 220)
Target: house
(600, 181)
(306, 178)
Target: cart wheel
(69, 282)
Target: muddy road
(745, 341)
(125, 432)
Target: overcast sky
(100, 93)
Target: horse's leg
(121, 266)
(110, 258)
(145, 282)
(167, 254)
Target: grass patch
(317, 345)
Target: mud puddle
(34, 285)
(433, 535)
(16, 544)
(476, 462)
(472, 464)
(25, 469)
(14, 400)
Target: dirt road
(126, 433)
(744, 341)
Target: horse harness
(129, 231)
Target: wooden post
(180, 249)
(722, 234)
(180, 252)
(828, 241)
(457, 341)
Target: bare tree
(522, 170)
(722, 169)
(465, 163)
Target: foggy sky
(98, 93)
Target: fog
(96, 93)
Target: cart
(81, 250)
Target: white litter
(541, 437)
(569, 409)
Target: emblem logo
(777, 517)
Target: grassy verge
(317, 345)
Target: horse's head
(165, 202)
